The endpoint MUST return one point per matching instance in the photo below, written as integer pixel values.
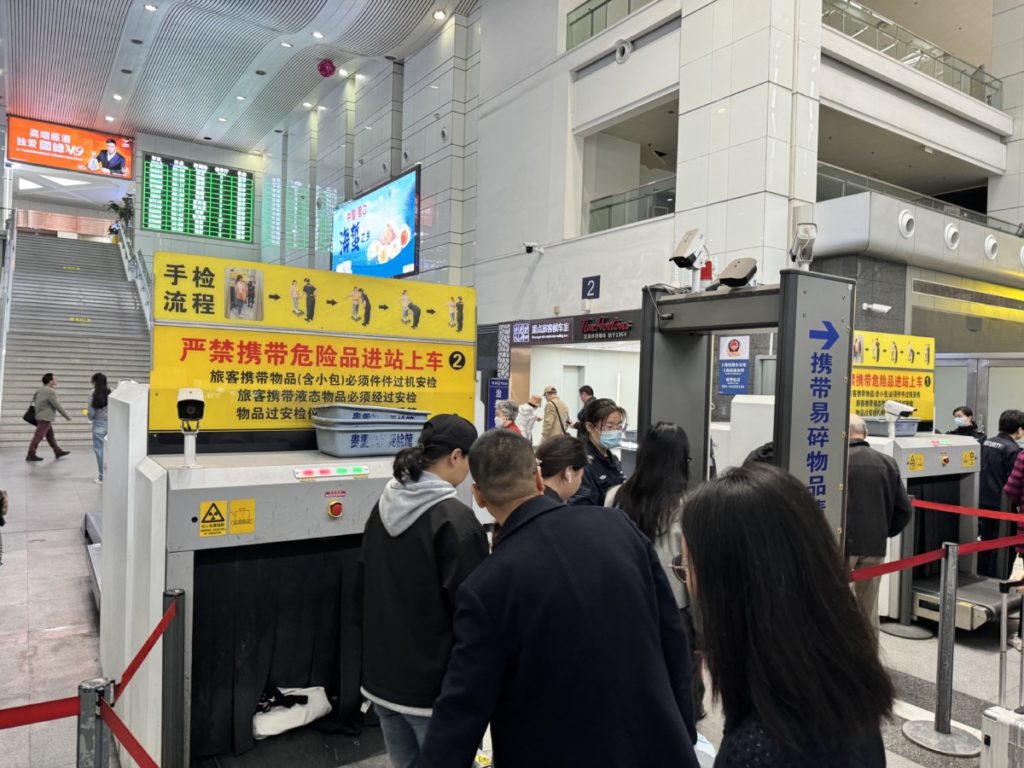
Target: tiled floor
(49, 626)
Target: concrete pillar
(1006, 192)
(748, 125)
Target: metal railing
(864, 25)
(595, 16)
(655, 198)
(836, 182)
(6, 284)
(136, 271)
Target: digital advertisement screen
(40, 142)
(191, 198)
(377, 234)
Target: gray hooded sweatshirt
(402, 505)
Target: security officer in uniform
(997, 457)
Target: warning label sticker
(243, 516)
(211, 518)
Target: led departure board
(192, 198)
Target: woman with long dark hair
(419, 545)
(603, 423)
(97, 412)
(562, 460)
(653, 499)
(789, 654)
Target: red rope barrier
(140, 657)
(123, 735)
(862, 574)
(1013, 517)
(984, 546)
(38, 713)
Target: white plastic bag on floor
(279, 719)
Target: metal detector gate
(813, 315)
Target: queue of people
(582, 635)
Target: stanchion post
(1003, 621)
(940, 736)
(172, 740)
(947, 637)
(94, 745)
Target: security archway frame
(813, 316)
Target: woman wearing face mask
(505, 412)
(963, 417)
(604, 423)
(562, 461)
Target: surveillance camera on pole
(692, 254)
(802, 250)
(191, 406)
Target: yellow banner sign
(258, 380)
(893, 350)
(199, 289)
(871, 387)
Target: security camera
(802, 250)
(894, 410)
(878, 309)
(531, 247)
(691, 252)
(191, 404)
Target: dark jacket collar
(525, 513)
(552, 494)
(859, 442)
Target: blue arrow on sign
(829, 335)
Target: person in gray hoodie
(419, 545)
(47, 406)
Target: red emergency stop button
(944, 457)
(335, 509)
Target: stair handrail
(136, 271)
(6, 283)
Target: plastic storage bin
(879, 427)
(366, 439)
(370, 413)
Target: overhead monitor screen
(40, 142)
(191, 198)
(377, 234)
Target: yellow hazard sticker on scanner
(243, 515)
(212, 520)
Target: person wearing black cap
(419, 545)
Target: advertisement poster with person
(377, 234)
(40, 142)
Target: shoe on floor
(58, 454)
(98, 480)
(33, 457)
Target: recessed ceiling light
(318, 35)
(342, 73)
(25, 184)
(321, 107)
(307, 104)
(440, 15)
(222, 119)
(435, 87)
(286, 45)
(126, 71)
(117, 97)
(136, 41)
(207, 138)
(109, 119)
(260, 72)
(239, 98)
(369, 127)
(150, 7)
(60, 181)
(360, 77)
(278, 130)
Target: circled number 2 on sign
(457, 360)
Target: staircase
(73, 313)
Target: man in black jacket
(567, 638)
(877, 508)
(997, 457)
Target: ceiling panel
(278, 15)
(59, 59)
(383, 26)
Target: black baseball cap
(448, 430)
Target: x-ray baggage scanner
(813, 316)
(236, 533)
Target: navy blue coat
(568, 642)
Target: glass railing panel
(836, 182)
(864, 25)
(595, 16)
(654, 199)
